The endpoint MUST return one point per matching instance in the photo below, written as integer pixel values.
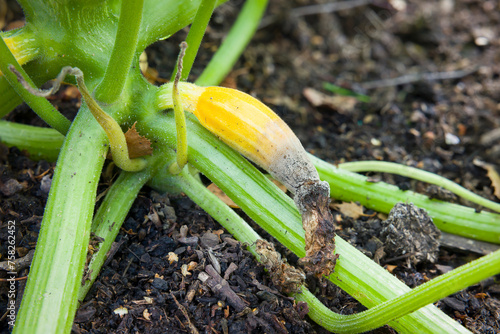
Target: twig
(15, 279)
(221, 287)
(186, 315)
(409, 78)
(19, 263)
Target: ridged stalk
(57, 268)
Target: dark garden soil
(431, 70)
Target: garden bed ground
(444, 126)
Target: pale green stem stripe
(421, 175)
(180, 118)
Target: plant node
(117, 141)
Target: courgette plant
(101, 41)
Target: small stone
(160, 284)
(11, 186)
(46, 183)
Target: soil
(442, 115)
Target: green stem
(116, 137)
(236, 41)
(421, 175)
(41, 143)
(113, 211)
(8, 98)
(195, 36)
(40, 105)
(124, 50)
(49, 301)
(379, 196)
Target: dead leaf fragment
(138, 145)
(146, 315)
(351, 209)
(121, 311)
(192, 265)
(172, 257)
(222, 196)
(145, 301)
(492, 173)
(342, 104)
(227, 200)
(390, 268)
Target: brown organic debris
(409, 231)
(138, 145)
(313, 201)
(342, 104)
(284, 276)
(351, 209)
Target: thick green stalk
(113, 211)
(379, 196)
(194, 37)
(421, 175)
(49, 302)
(276, 212)
(40, 105)
(236, 41)
(124, 50)
(8, 97)
(41, 143)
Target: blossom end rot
(253, 129)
